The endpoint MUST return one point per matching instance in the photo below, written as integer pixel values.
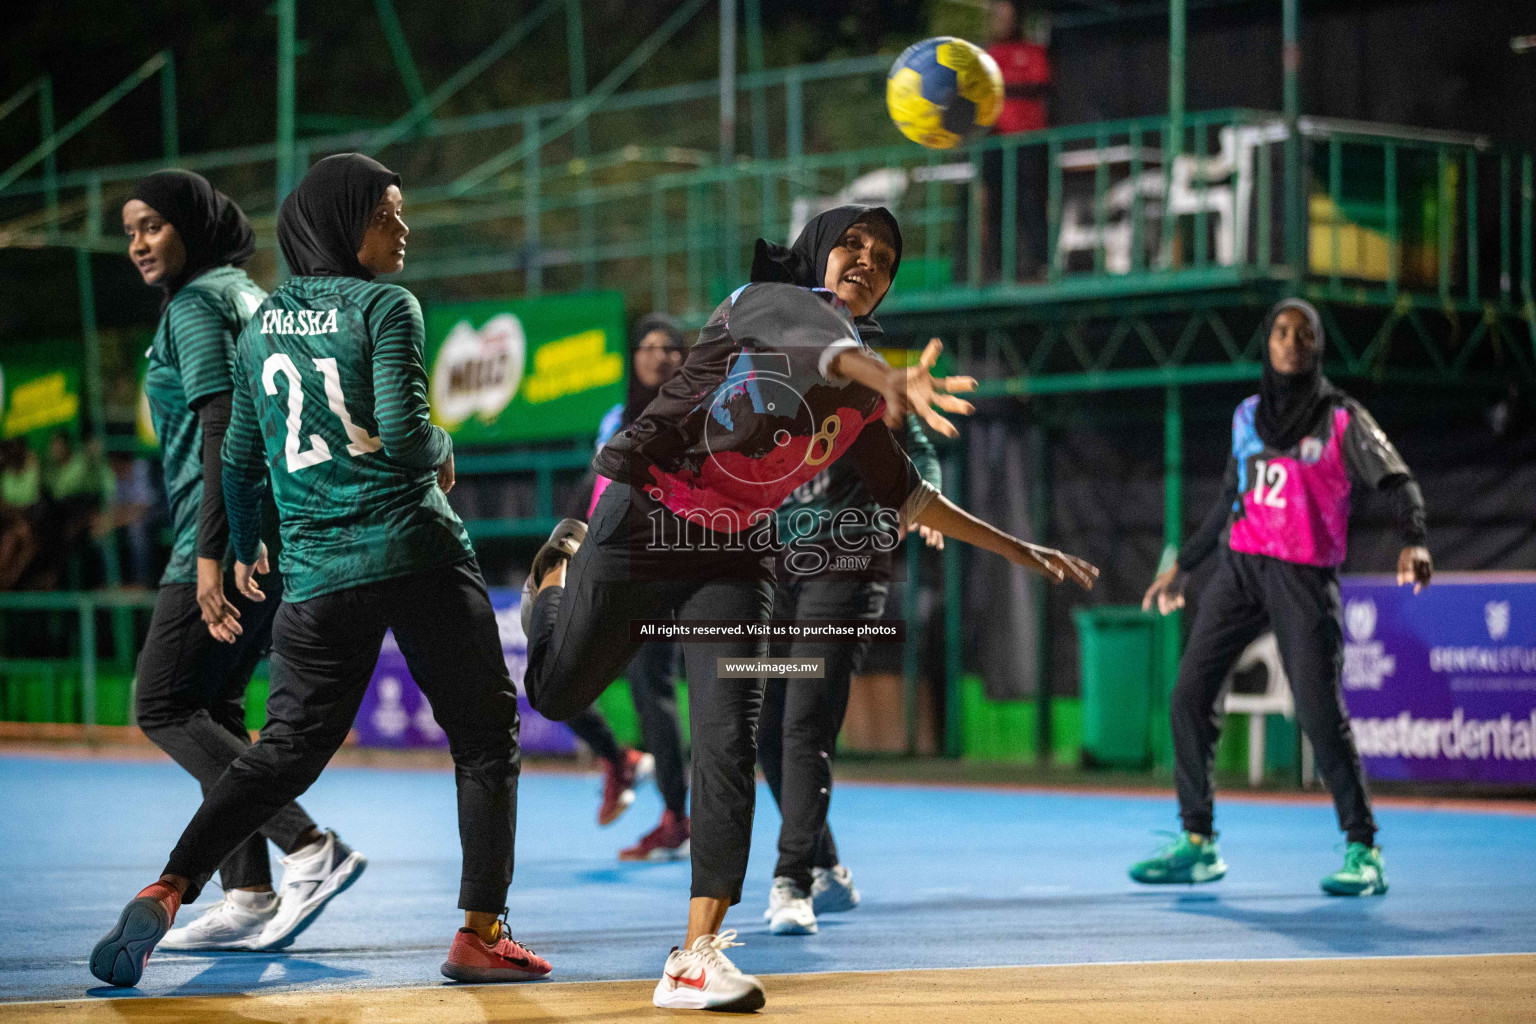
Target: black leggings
(323, 655)
(580, 641)
(190, 702)
(797, 737)
(1301, 603)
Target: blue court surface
(951, 877)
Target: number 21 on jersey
(360, 443)
(1269, 482)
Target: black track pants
(797, 737)
(190, 702)
(323, 655)
(580, 641)
(1248, 594)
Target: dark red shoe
(619, 781)
(120, 956)
(667, 841)
(471, 960)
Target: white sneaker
(226, 925)
(702, 977)
(832, 890)
(789, 909)
(310, 880)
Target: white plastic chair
(1275, 700)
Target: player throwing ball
(1298, 448)
(778, 386)
(332, 403)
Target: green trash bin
(1119, 645)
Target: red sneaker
(619, 781)
(120, 956)
(471, 960)
(667, 841)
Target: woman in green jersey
(189, 240)
(332, 406)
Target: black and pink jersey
(1294, 505)
(755, 412)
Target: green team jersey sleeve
(400, 384)
(204, 347)
(245, 475)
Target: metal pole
(50, 162)
(408, 121)
(170, 130)
(88, 662)
(94, 404)
(389, 21)
(911, 649)
(1040, 519)
(533, 274)
(287, 18)
(754, 15)
(727, 82)
(576, 57)
(954, 737)
(1295, 208)
(1174, 143)
(1173, 534)
(578, 112)
(581, 139)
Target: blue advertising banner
(1442, 686)
(396, 714)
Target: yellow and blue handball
(944, 91)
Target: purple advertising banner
(1442, 686)
(395, 714)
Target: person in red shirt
(1026, 71)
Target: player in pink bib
(1299, 447)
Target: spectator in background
(80, 485)
(1026, 71)
(133, 500)
(21, 497)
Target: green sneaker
(1363, 873)
(1186, 860)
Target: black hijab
(212, 228)
(638, 395)
(322, 222)
(1291, 403)
(805, 262)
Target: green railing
(623, 190)
(84, 605)
(1446, 219)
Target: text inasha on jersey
(298, 321)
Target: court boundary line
(811, 974)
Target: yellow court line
(1400, 990)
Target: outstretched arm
(950, 519)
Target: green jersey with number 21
(331, 400)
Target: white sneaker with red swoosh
(702, 977)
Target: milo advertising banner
(1442, 686)
(526, 369)
(37, 395)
